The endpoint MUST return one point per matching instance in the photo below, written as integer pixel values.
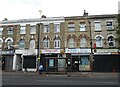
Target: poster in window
(51, 62)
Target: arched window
(46, 42)
(83, 42)
(111, 41)
(71, 43)
(99, 42)
(21, 44)
(32, 44)
(9, 42)
(56, 42)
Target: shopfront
(106, 60)
(53, 60)
(78, 59)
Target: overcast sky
(23, 9)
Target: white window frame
(111, 41)
(23, 30)
(1, 30)
(97, 26)
(56, 43)
(46, 43)
(10, 30)
(99, 43)
(109, 27)
(32, 30)
(46, 29)
(82, 26)
(71, 43)
(56, 28)
(83, 42)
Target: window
(22, 30)
(1, 29)
(82, 27)
(32, 30)
(99, 41)
(111, 41)
(21, 44)
(109, 25)
(46, 29)
(71, 43)
(97, 26)
(46, 42)
(10, 30)
(0, 43)
(9, 42)
(56, 42)
(57, 28)
(83, 42)
(32, 44)
(71, 26)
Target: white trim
(1, 39)
(8, 39)
(111, 35)
(98, 35)
(97, 21)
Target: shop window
(99, 42)
(21, 44)
(83, 42)
(111, 41)
(32, 44)
(71, 43)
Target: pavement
(68, 74)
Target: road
(31, 79)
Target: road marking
(55, 80)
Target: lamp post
(39, 31)
(91, 47)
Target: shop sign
(78, 50)
(51, 51)
(7, 52)
(19, 51)
(106, 50)
(30, 52)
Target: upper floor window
(56, 42)
(1, 41)
(46, 42)
(109, 25)
(83, 42)
(82, 26)
(99, 42)
(71, 43)
(56, 28)
(97, 26)
(21, 44)
(32, 30)
(10, 30)
(23, 30)
(71, 26)
(1, 29)
(111, 41)
(32, 44)
(46, 29)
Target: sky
(24, 9)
